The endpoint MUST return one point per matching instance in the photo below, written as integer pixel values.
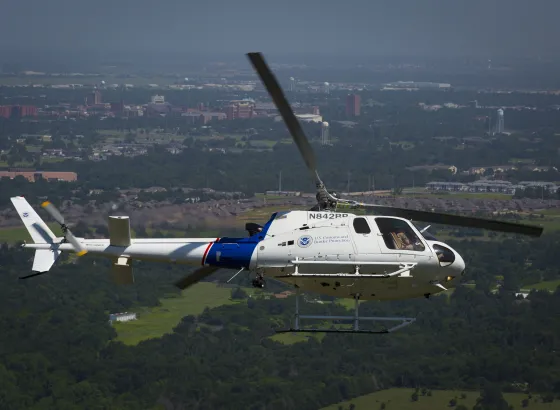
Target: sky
(370, 27)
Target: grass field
(291, 338)
(399, 399)
(550, 285)
(11, 235)
(157, 321)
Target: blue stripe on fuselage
(236, 253)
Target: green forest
(58, 351)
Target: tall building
(94, 98)
(239, 110)
(500, 122)
(292, 84)
(353, 103)
(325, 133)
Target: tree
(491, 398)
(238, 293)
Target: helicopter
(326, 250)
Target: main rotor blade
(195, 277)
(277, 95)
(457, 220)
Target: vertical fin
(37, 228)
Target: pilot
(403, 242)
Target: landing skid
(405, 321)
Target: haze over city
(369, 27)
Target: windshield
(428, 236)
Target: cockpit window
(398, 235)
(445, 255)
(427, 235)
(361, 226)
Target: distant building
(500, 122)
(122, 317)
(283, 193)
(307, 118)
(94, 98)
(117, 107)
(489, 186)
(353, 103)
(325, 133)
(33, 176)
(17, 111)
(237, 110)
(416, 85)
(158, 99)
(203, 117)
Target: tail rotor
(68, 235)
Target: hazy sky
(365, 26)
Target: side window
(399, 235)
(445, 256)
(361, 225)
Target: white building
(309, 117)
(158, 99)
(122, 317)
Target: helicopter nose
(454, 271)
(452, 262)
(459, 266)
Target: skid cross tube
(405, 321)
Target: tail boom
(191, 251)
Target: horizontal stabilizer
(44, 259)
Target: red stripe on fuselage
(208, 249)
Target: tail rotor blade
(51, 209)
(80, 250)
(57, 216)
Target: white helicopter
(382, 257)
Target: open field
(291, 338)
(157, 321)
(399, 399)
(549, 285)
(16, 234)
